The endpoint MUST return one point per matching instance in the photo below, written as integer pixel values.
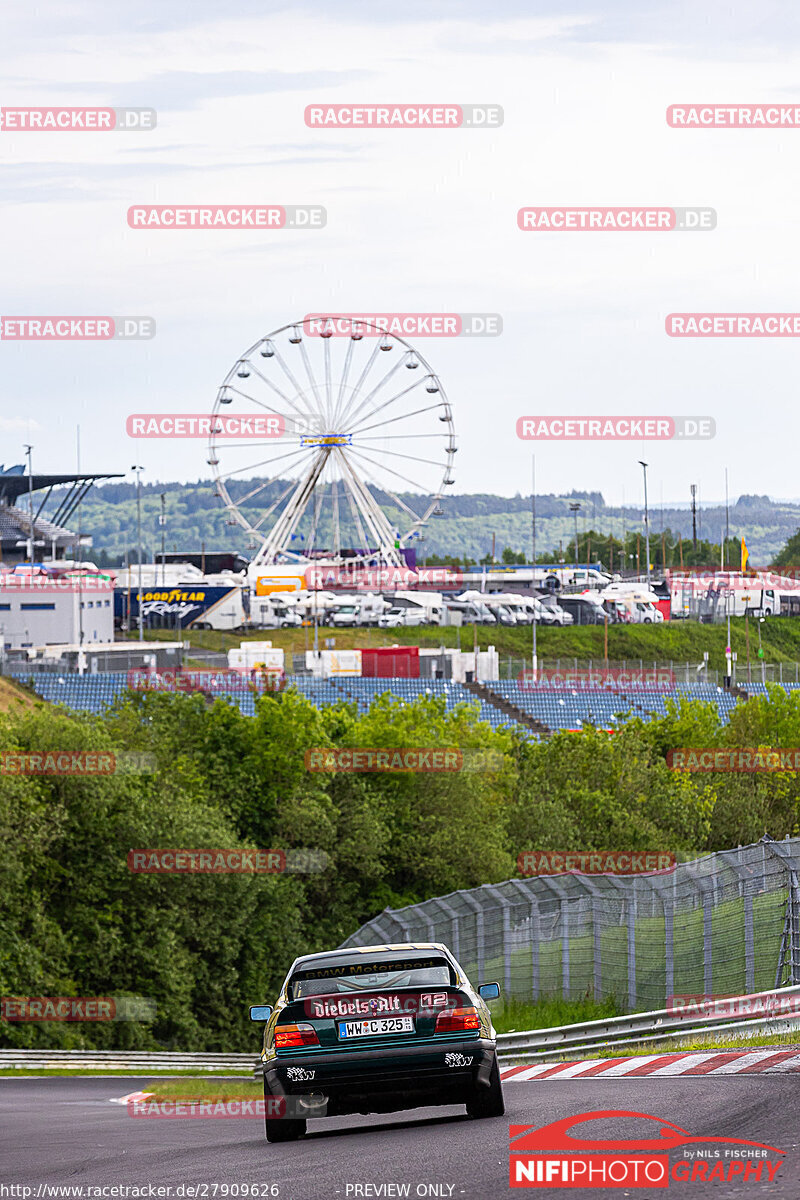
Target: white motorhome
(523, 607)
(633, 602)
(430, 602)
(474, 608)
(364, 610)
(559, 576)
(718, 594)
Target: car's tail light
(456, 1020)
(292, 1037)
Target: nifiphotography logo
(553, 1157)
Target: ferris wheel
(365, 450)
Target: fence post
(708, 986)
(480, 947)
(669, 950)
(505, 904)
(455, 939)
(564, 913)
(535, 928)
(632, 945)
(790, 943)
(749, 943)
(664, 890)
(597, 961)
(746, 894)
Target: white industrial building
(38, 612)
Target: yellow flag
(745, 555)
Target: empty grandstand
(501, 703)
(23, 527)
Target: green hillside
(466, 528)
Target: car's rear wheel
(281, 1129)
(488, 1102)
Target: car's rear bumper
(384, 1080)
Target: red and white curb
(730, 1062)
(132, 1097)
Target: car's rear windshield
(366, 976)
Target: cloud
(18, 425)
(178, 91)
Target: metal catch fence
(724, 924)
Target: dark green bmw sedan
(376, 1029)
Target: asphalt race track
(64, 1131)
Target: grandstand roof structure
(51, 531)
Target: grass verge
(35, 1072)
(673, 641)
(513, 1016)
(777, 1041)
(205, 1089)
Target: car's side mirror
(260, 1012)
(489, 991)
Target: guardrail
(129, 1062)
(638, 1028)
(525, 1046)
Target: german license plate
(375, 1027)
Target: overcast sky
(417, 221)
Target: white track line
(576, 1069)
(743, 1062)
(625, 1068)
(682, 1065)
(531, 1072)
(131, 1097)
(789, 1065)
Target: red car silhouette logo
(556, 1136)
